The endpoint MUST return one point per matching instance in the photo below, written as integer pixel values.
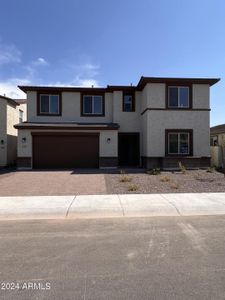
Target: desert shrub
(155, 171)
(132, 187)
(164, 178)
(182, 168)
(125, 178)
(210, 169)
(203, 179)
(174, 185)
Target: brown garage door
(65, 151)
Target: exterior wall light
(24, 140)
(2, 142)
(108, 140)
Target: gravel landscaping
(91, 182)
(192, 181)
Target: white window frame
(179, 133)
(178, 88)
(92, 105)
(49, 102)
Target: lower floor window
(179, 143)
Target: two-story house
(157, 123)
(11, 112)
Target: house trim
(70, 127)
(176, 109)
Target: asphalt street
(121, 258)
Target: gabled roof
(217, 129)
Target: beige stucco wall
(144, 135)
(12, 119)
(155, 122)
(200, 96)
(71, 111)
(158, 121)
(221, 139)
(105, 149)
(108, 149)
(128, 121)
(3, 135)
(151, 125)
(23, 107)
(154, 96)
(216, 156)
(9, 116)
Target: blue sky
(85, 42)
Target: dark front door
(65, 151)
(128, 149)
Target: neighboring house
(217, 135)
(157, 123)
(11, 112)
(217, 142)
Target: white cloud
(86, 70)
(76, 82)
(34, 65)
(40, 62)
(86, 82)
(9, 54)
(81, 74)
(9, 87)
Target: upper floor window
(179, 142)
(93, 105)
(49, 104)
(128, 102)
(178, 97)
(20, 116)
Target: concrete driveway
(47, 183)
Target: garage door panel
(65, 151)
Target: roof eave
(144, 80)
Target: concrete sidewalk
(104, 206)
